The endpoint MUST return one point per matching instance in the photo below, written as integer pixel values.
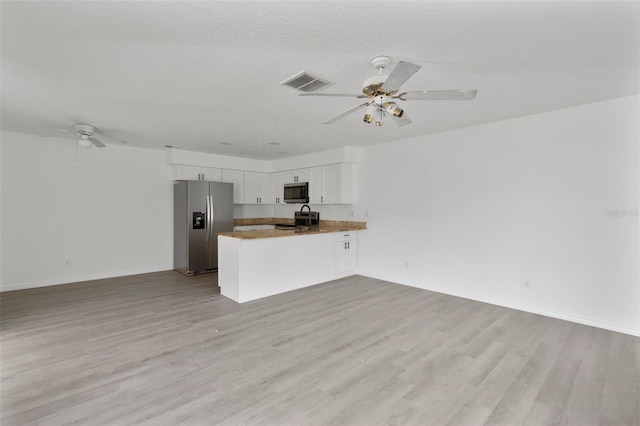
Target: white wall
(110, 215)
(550, 198)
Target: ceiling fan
(84, 136)
(382, 90)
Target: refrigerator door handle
(211, 218)
(208, 219)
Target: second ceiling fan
(381, 91)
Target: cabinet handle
(322, 198)
(349, 245)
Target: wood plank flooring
(163, 349)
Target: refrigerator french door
(201, 210)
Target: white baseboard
(594, 322)
(79, 278)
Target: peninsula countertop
(326, 226)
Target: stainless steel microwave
(296, 192)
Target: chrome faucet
(308, 218)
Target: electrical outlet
(406, 263)
(527, 283)
(67, 262)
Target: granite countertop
(326, 226)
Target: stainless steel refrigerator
(201, 210)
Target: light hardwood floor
(163, 349)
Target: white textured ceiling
(201, 75)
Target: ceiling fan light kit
(84, 142)
(85, 139)
(382, 89)
(368, 117)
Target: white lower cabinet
(255, 268)
(250, 269)
(345, 253)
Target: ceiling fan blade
(401, 121)
(345, 113)
(439, 95)
(96, 142)
(401, 73)
(112, 140)
(348, 95)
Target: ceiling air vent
(307, 82)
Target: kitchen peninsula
(261, 263)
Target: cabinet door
(339, 258)
(236, 177)
(266, 191)
(251, 187)
(299, 175)
(316, 186)
(277, 187)
(256, 188)
(351, 257)
(337, 184)
(332, 184)
(181, 172)
(211, 174)
(345, 254)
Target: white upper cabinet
(183, 172)
(236, 177)
(338, 184)
(277, 187)
(316, 187)
(332, 184)
(295, 176)
(257, 188)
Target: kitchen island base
(251, 269)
